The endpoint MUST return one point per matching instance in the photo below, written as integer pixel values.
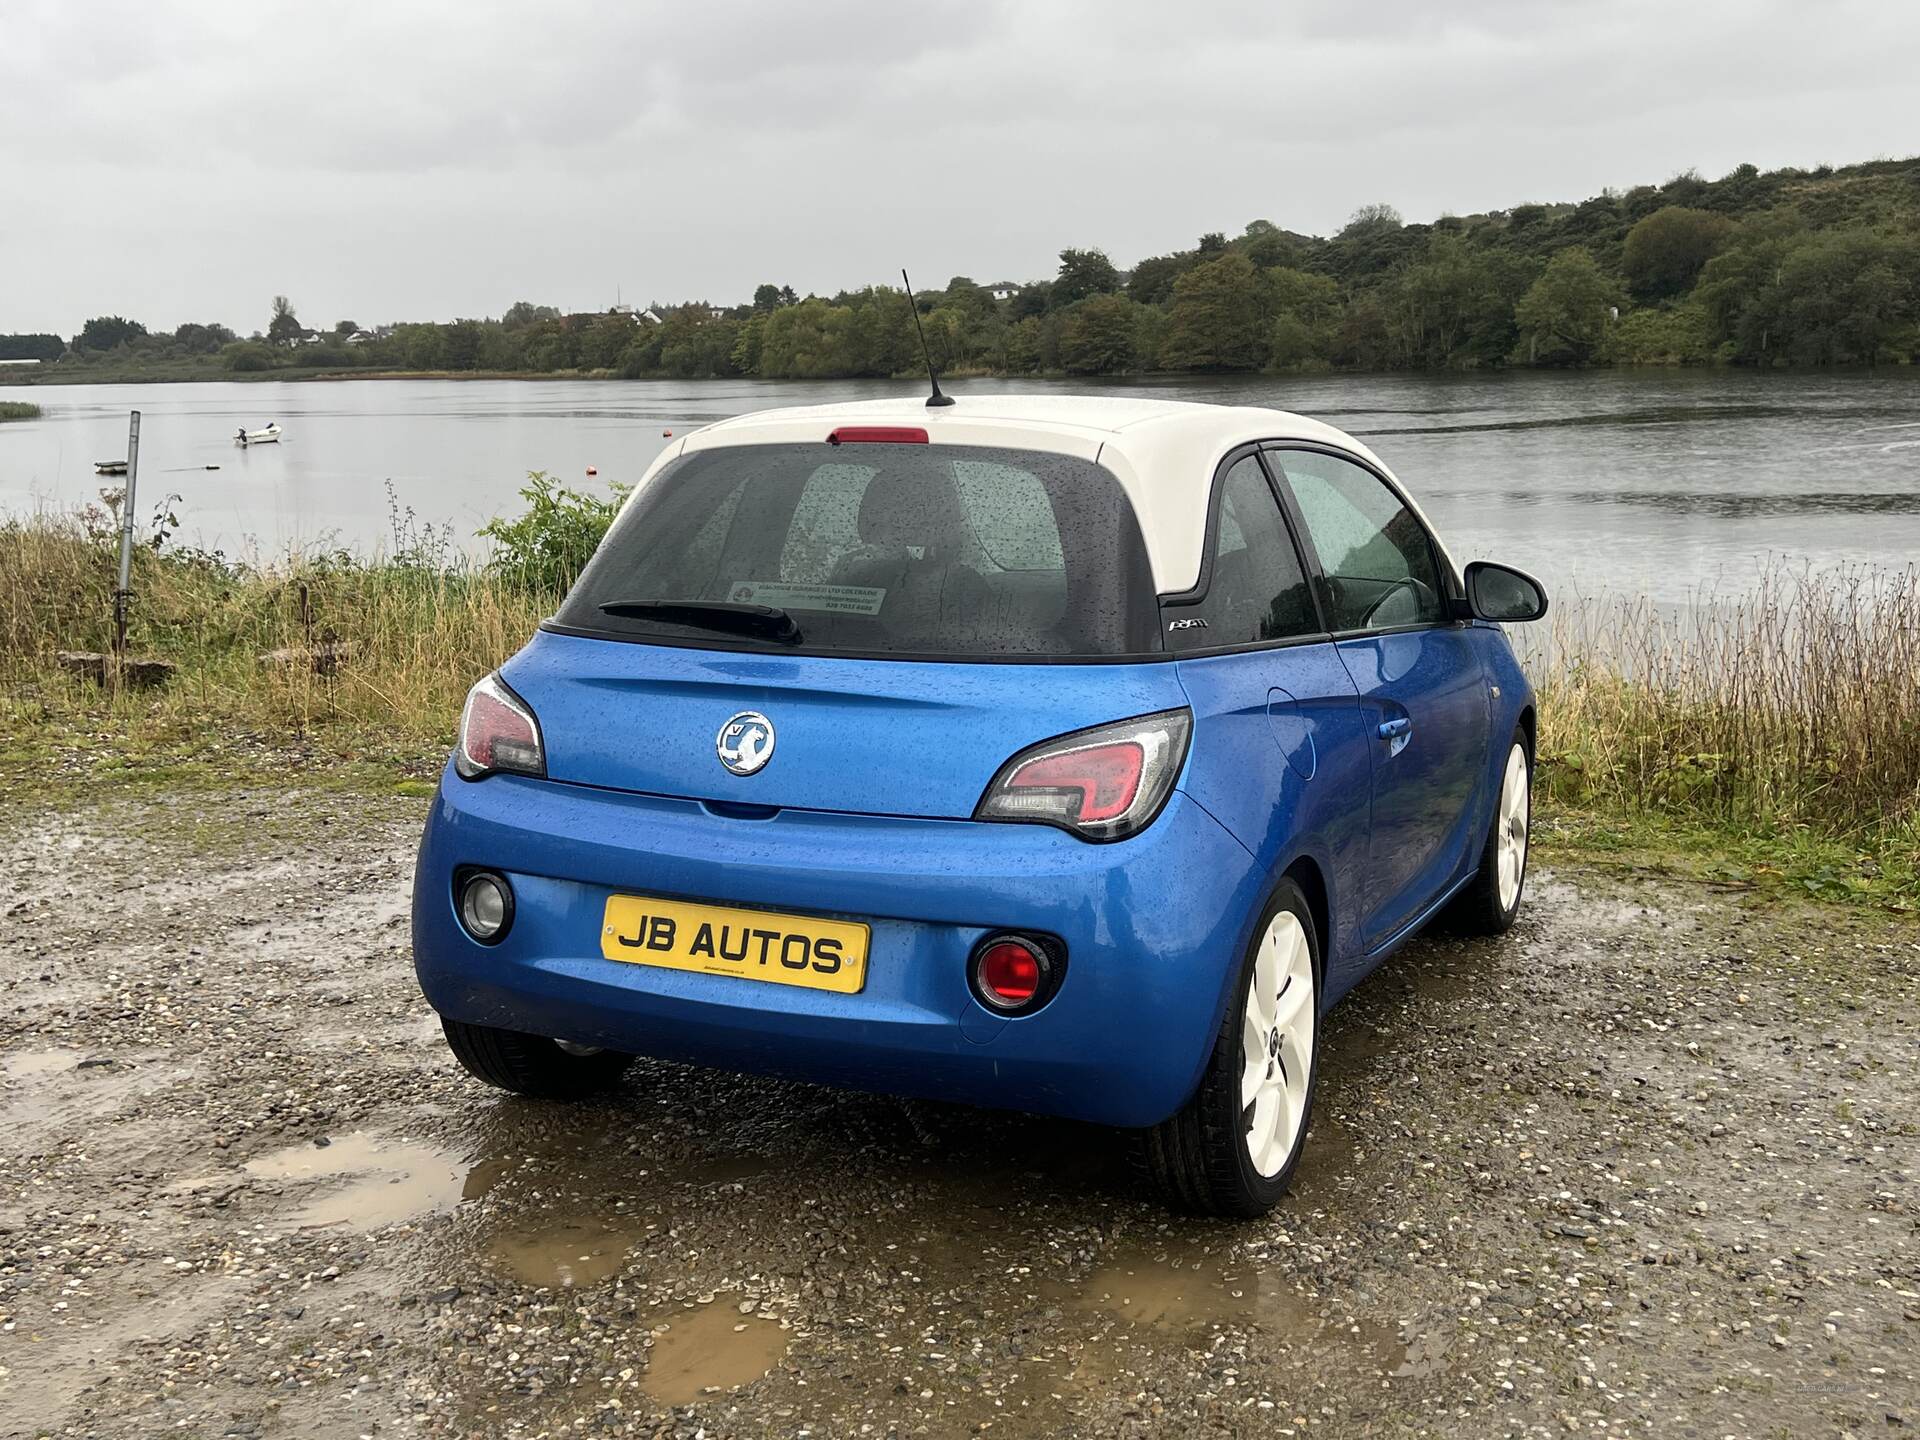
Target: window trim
(1196, 593)
(1449, 582)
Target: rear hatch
(903, 617)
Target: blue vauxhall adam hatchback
(1069, 755)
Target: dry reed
(1795, 704)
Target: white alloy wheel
(1276, 1045)
(1512, 823)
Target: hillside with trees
(1790, 267)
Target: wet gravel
(1643, 1167)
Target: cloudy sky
(187, 159)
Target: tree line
(1788, 267)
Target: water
(1662, 483)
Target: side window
(1376, 560)
(1256, 591)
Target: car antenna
(935, 400)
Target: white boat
(268, 436)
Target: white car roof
(1164, 452)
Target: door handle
(1394, 729)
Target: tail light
(498, 733)
(1102, 784)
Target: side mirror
(1499, 593)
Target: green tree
(1083, 273)
(766, 297)
(810, 340)
(605, 341)
(523, 313)
(202, 339)
(746, 345)
(1665, 252)
(344, 328)
(284, 328)
(108, 332)
(1020, 347)
(1097, 336)
(1267, 245)
(1222, 317)
(1306, 314)
(1564, 317)
(33, 347)
(550, 544)
(244, 356)
(1848, 297)
(1151, 282)
(1375, 219)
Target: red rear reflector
(878, 435)
(1107, 777)
(1010, 973)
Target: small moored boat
(267, 436)
(110, 467)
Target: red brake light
(1009, 973)
(878, 435)
(1107, 777)
(498, 732)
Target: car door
(1279, 756)
(1388, 602)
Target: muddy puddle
(32, 1064)
(712, 1347)
(367, 1180)
(1177, 1285)
(1165, 1289)
(567, 1254)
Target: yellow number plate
(716, 940)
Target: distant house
(361, 337)
(650, 316)
(1004, 291)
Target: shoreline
(8, 382)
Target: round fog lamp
(486, 907)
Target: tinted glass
(949, 550)
(1377, 562)
(1256, 590)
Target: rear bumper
(1152, 926)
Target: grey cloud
(432, 158)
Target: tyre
(1232, 1148)
(1491, 901)
(531, 1064)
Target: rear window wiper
(768, 622)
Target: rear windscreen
(959, 551)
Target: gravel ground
(1644, 1167)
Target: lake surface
(1665, 483)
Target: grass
(18, 410)
(1787, 718)
(1767, 743)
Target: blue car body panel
(869, 737)
(1285, 765)
(1146, 922)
